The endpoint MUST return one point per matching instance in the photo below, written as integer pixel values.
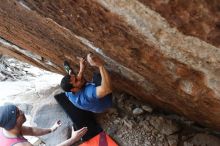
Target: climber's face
(77, 83)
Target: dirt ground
(133, 123)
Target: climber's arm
(82, 68)
(105, 87)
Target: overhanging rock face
(169, 59)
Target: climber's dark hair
(65, 83)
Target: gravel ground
(134, 123)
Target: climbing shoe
(67, 67)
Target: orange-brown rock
(146, 56)
(196, 18)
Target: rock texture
(13, 70)
(170, 61)
(196, 18)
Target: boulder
(165, 53)
(45, 116)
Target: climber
(95, 96)
(95, 136)
(12, 131)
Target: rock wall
(154, 50)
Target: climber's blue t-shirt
(87, 99)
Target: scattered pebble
(137, 111)
(147, 108)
